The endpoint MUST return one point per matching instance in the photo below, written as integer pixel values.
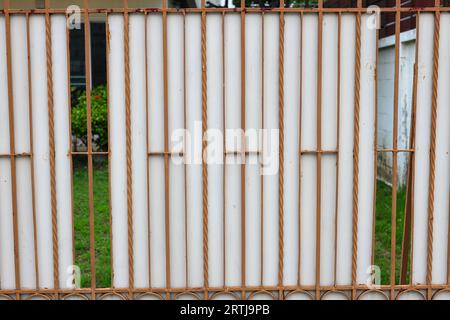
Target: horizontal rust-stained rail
(228, 10)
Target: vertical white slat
(194, 136)
(7, 271)
(292, 69)
(62, 148)
(366, 149)
(422, 153)
(22, 141)
(308, 142)
(233, 190)
(253, 104)
(41, 150)
(156, 144)
(233, 222)
(215, 133)
(442, 164)
(139, 150)
(345, 193)
(116, 91)
(329, 142)
(270, 197)
(175, 72)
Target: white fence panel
(167, 97)
(422, 156)
(117, 131)
(7, 272)
(442, 164)
(24, 180)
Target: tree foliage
(99, 116)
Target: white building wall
(386, 73)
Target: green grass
(101, 222)
(383, 230)
(102, 225)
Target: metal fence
(223, 231)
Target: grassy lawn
(383, 230)
(102, 225)
(101, 221)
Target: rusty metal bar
(319, 147)
(107, 34)
(6, 4)
(300, 155)
(17, 155)
(243, 155)
(395, 146)
(224, 166)
(185, 150)
(396, 150)
(69, 95)
(87, 153)
(361, 10)
(48, 40)
(161, 153)
(237, 289)
(87, 57)
(356, 150)
(30, 108)
(338, 126)
(148, 149)
(166, 149)
(375, 154)
(262, 127)
(431, 186)
(281, 151)
(204, 145)
(128, 147)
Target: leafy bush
(99, 115)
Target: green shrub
(99, 115)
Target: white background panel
(308, 142)
(41, 150)
(177, 226)
(422, 154)
(156, 144)
(270, 197)
(118, 150)
(292, 38)
(155, 83)
(329, 142)
(4, 120)
(176, 170)
(215, 171)
(442, 183)
(366, 149)
(139, 150)
(7, 273)
(253, 116)
(233, 192)
(22, 141)
(345, 195)
(233, 222)
(194, 169)
(157, 223)
(63, 140)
